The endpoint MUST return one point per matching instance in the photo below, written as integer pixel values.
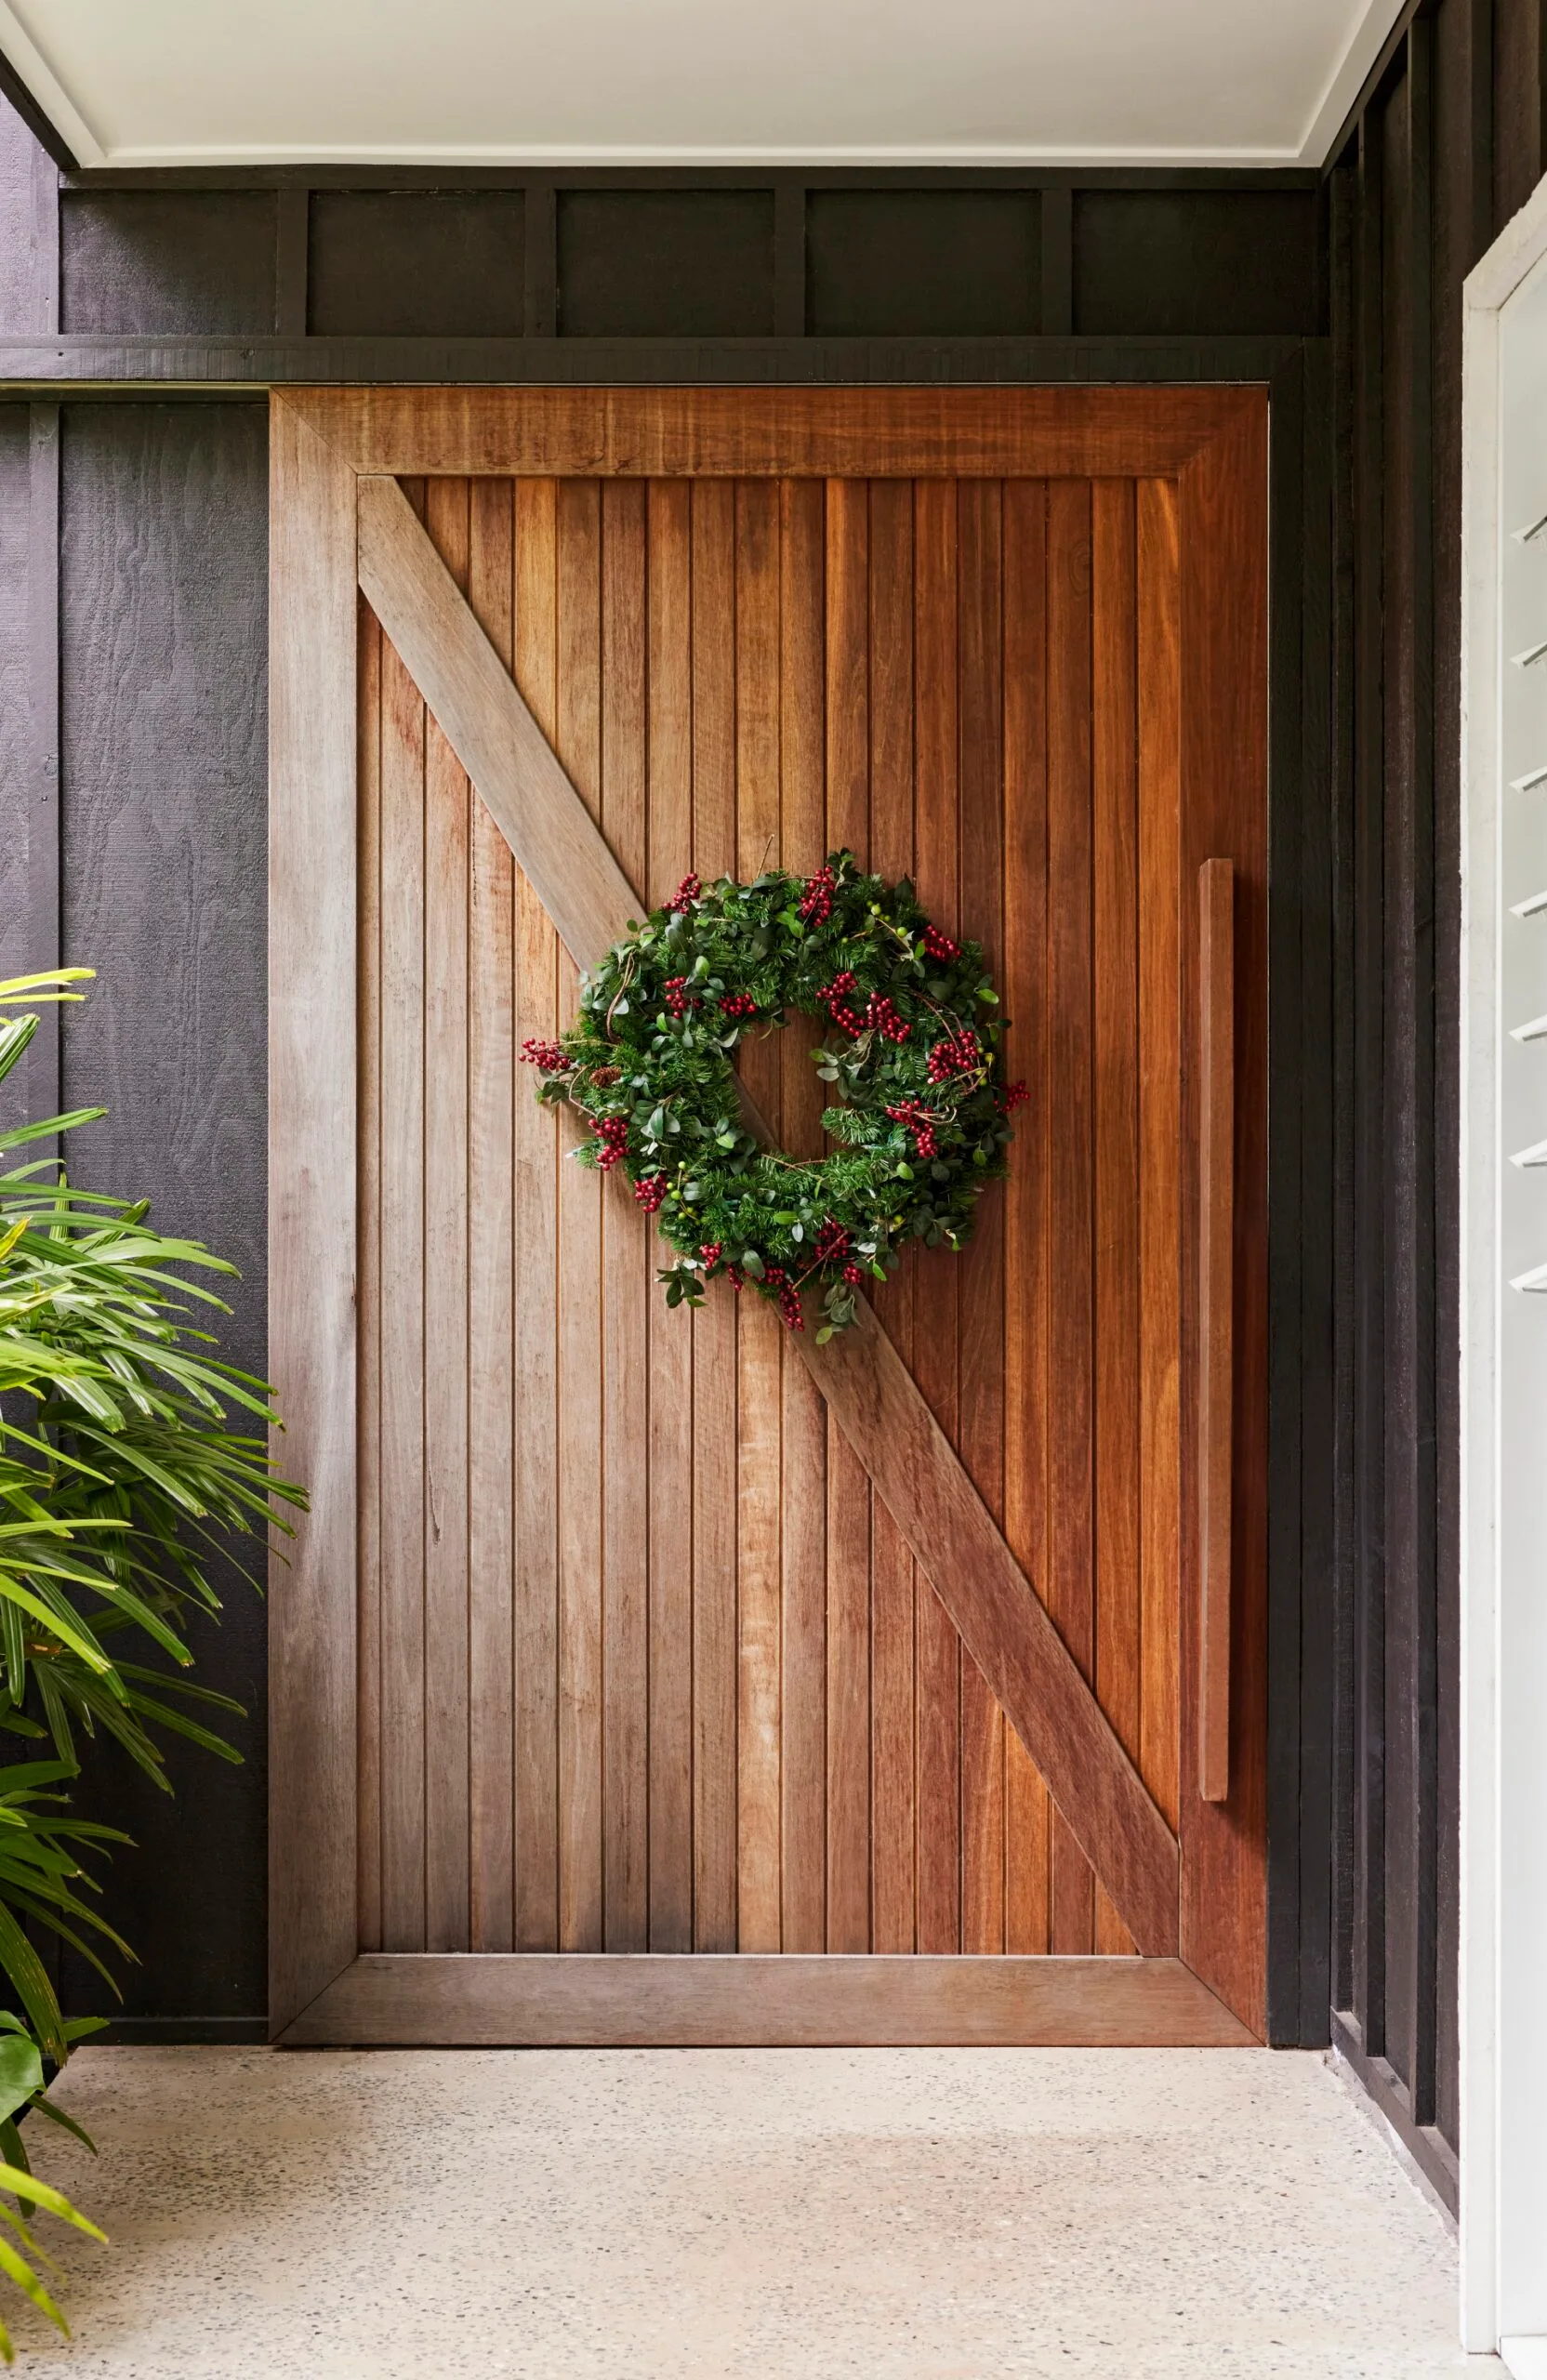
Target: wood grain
(893, 1585)
(1223, 713)
(759, 1331)
(491, 1285)
(448, 829)
(1070, 1093)
(776, 433)
(847, 1517)
(581, 1291)
(938, 1650)
(1159, 760)
(368, 1377)
(980, 1434)
(403, 1339)
(1216, 1206)
(669, 601)
(534, 1626)
(1027, 1257)
(767, 2002)
(312, 1254)
(1114, 1814)
(715, 1413)
(805, 1548)
(489, 725)
(628, 1286)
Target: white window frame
(1504, 1861)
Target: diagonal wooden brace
(879, 1406)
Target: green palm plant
(120, 1480)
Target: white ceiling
(533, 82)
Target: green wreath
(910, 1046)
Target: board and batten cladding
(132, 555)
(1448, 142)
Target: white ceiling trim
(24, 55)
(70, 116)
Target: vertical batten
(848, 1499)
(804, 1471)
(1115, 954)
(669, 857)
(1024, 988)
(583, 1456)
(936, 796)
(447, 855)
(1070, 1092)
(534, 1624)
(369, 1486)
(627, 1252)
(980, 1269)
(492, 1091)
(1160, 696)
(403, 1525)
(760, 1358)
(715, 1379)
(892, 1575)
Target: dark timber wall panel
(152, 606)
(162, 571)
(1445, 145)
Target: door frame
(1503, 1684)
(1213, 442)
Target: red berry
(548, 1055)
(853, 1275)
(687, 892)
(612, 1133)
(738, 1004)
(649, 1192)
(708, 1255)
(678, 999)
(1014, 1096)
(832, 1243)
(815, 905)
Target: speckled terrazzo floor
(743, 2215)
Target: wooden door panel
(647, 1664)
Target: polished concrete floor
(738, 2215)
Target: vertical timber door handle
(1216, 1212)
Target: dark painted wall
(1447, 147)
(155, 630)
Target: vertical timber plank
(715, 1325)
(804, 1547)
(627, 1281)
(492, 1091)
(1071, 1483)
(535, 1622)
(402, 1417)
(668, 859)
(759, 1356)
(1224, 646)
(1159, 697)
(1023, 983)
(980, 1285)
(935, 1347)
(1115, 864)
(891, 1567)
(581, 1494)
(312, 1257)
(848, 715)
(369, 1710)
(447, 852)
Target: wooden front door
(686, 1677)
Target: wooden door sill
(575, 1999)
